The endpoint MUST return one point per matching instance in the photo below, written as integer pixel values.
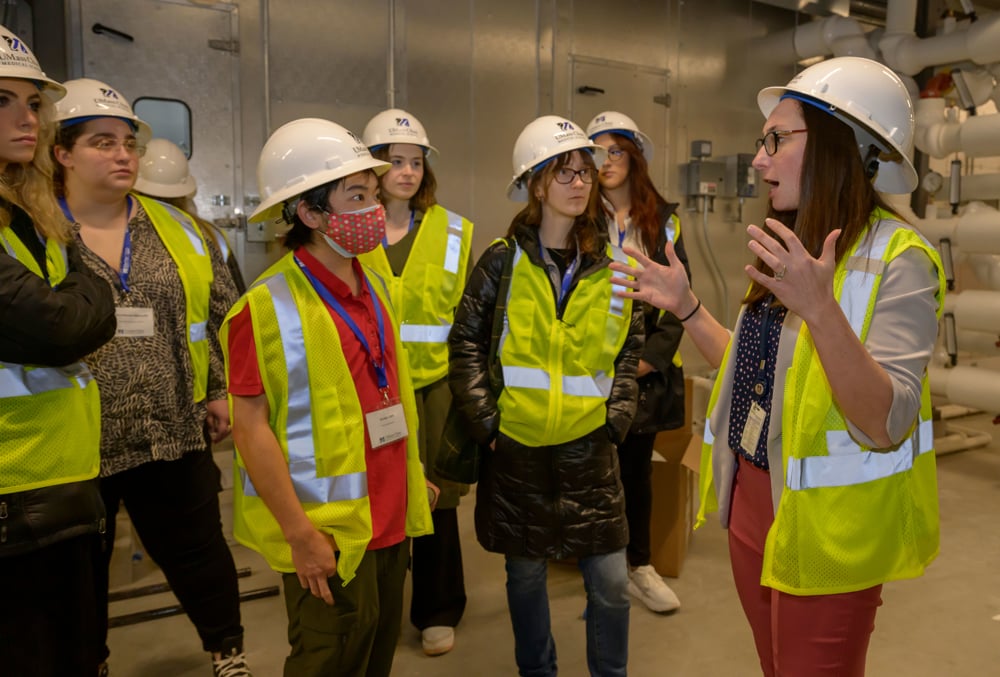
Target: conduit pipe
(832, 35)
(968, 386)
(975, 310)
(978, 136)
(977, 229)
(905, 53)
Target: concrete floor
(947, 623)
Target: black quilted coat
(557, 501)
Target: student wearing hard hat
(164, 175)
(549, 489)
(818, 446)
(52, 313)
(424, 259)
(162, 377)
(329, 484)
(637, 216)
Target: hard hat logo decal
(402, 122)
(15, 44)
(598, 120)
(565, 126)
(108, 93)
(355, 137)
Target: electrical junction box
(741, 177)
(705, 178)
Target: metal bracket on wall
(231, 46)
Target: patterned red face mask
(357, 232)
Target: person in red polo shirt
(329, 482)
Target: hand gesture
(665, 287)
(802, 283)
(314, 561)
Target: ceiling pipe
(905, 53)
(938, 134)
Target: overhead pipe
(905, 53)
(976, 229)
(967, 386)
(832, 35)
(939, 134)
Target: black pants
(438, 579)
(635, 456)
(48, 610)
(174, 506)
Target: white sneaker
(649, 587)
(437, 640)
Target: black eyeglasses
(771, 139)
(566, 176)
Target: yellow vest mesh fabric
(51, 437)
(585, 342)
(337, 419)
(195, 270)
(426, 293)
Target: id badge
(386, 425)
(753, 428)
(135, 322)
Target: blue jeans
(605, 578)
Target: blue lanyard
(621, 238)
(126, 261)
(567, 279)
(762, 386)
(324, 293)
(385, 238)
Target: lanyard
(762, 385)
(324, 293)
(567, 279)
(621, 238)
(385, 238)
(125, 264)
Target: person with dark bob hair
(818, 450)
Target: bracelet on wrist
(691, 314)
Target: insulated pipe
(974, 187)
(979, 342)
(977, 229)
(908, 54)
(968, 386)
(977, 136)
(900, 17)
(833, 35)
(975, 310)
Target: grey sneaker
(647, 585)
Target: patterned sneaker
(233, 660)
(647, 585)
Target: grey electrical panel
(741, 177)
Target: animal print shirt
(147, 412)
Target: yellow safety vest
(558, 373)
(849, 517)
(316, 416)
(50, 416)
(428, 291)
(190, 253)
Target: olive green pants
(356, 637)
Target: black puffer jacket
(51, 327)
(559, 501)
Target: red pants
(796, 636)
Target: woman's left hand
(218, 419)
(802, 283)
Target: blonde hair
(29, 185)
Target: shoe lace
(233, 664)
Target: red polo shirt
(387, 464)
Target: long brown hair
(29, 185)
(834, 192)
(426, 195)
(646, 200)
(586, 231)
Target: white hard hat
(17, 61)
(304, 154)
(872, 100)
(543, 139)
(396, 126)
(87, 99)
(619, 123)
(163, 171)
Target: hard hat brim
(271, 207)
(186, 188)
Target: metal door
(173, 49)
(598, 85)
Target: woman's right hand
(665, 287)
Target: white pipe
(986, 268)
(975, 310)
(979, 342)
(832, 35)
(968, 386)
(900, 17)
(974, 187)
(980, 43)
(977, 229)
(977, 136)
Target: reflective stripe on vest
(424, 333)
(55, 256)
(194, 266)
(17, 380)
(453, 250)
(301, 455)
(848, 464)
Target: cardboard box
(676, 459)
